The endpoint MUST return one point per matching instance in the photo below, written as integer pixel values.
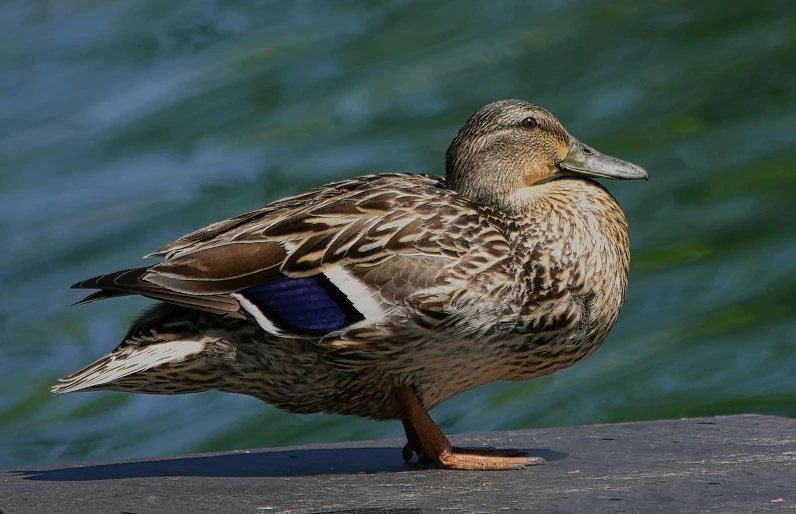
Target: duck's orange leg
(412, 443)
(423, 433)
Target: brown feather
(133, 281)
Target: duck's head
(509, 147)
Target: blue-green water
(126, 124)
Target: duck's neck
(575, 199)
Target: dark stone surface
(723, 464)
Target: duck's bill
(585, 161)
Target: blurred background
(124, 125)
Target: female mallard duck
(384, 295)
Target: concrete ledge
(724, 464)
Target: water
(126, 124)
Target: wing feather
(357, 227)
(132, 281)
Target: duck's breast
(573, 255)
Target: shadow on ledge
(286, 463)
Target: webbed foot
(426, 440)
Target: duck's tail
(121, 364)
(165, 352)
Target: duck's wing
(315, 264)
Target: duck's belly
(450, 369)
(301, 377)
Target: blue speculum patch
(310, 306)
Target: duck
(383, 295)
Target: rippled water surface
(126, 124)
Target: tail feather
(131, 281)
(100, 295)
(119, 279)
(127, 361)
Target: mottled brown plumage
(384, 295)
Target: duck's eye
(529, 123)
